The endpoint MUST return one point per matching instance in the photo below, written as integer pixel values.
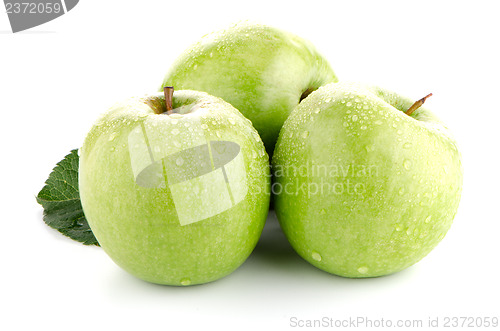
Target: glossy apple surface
(177, 199)
(363, 189)
(262, 71)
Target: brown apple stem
(169, 92)
(306, 93)
(417, 105)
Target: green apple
(175, 192)
(262, 71)
(364, 188)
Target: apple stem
(417, 105)
(169, 92)
(306, 93)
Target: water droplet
(345, 124)
(322, 212)
(370, 148)
(407, 164)
(305, 134)
(365, 107)
(174, 121)
(175, 132)
(408, 231)
(231, 120)
(348, 104)
(195, 67)
(401, 191)
(291, 135)
(185, 281)
(378, 122)
(354, 118)
(175, 116)
(179, 161)
(399, 132)
(112, 136)
(204, 126)
(398, 227)
(211, 54)
(316, 256)
(363, 270)
(407, 145)
(428, 219)
(328, 99)
(317, 110)
(363, 127)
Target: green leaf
(60, 200)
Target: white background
(56, 79)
